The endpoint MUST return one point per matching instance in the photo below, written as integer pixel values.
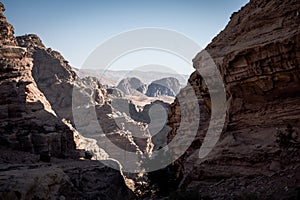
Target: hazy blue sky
(76, 28)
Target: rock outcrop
(114, 93)
(258, 57)
(56, 79)
(27, 119)
(130, 85)
(163, 87)
(7, 30)
(62, 179)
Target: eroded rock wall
(258, 57)
(28, 121)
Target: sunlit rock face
(84, 103)
(36, 86)
(28, 121)
(258, 58)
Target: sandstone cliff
(258, 57)
(7, 30)
(36, 116)
(28, 121)
(24, 177)
(85, 104)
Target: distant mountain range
(163, 87)
(112, 78)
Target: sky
(76, 28)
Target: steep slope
(258, 57)
(54, 80)
(55, 77)
(27, 120)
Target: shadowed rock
(27, 120)
(163, 87)
(257, 55)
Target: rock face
(130, 85)
(259, 62)
(163, 87)
(71, 179)
(258, 58)
(85, 103)
(27, 119)
(63, 88)
(36, 90)
(56, 79)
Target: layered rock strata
(258, 57)
(28, 121)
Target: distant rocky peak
(132, 84)
(164, 87)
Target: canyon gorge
(52, 147)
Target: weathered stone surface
(67, 93)
(27, 120)
(60, 179)
(39, 92)
(30, 40)
(258, 57)
(84, 102)
(7, 30)
(54, 77)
